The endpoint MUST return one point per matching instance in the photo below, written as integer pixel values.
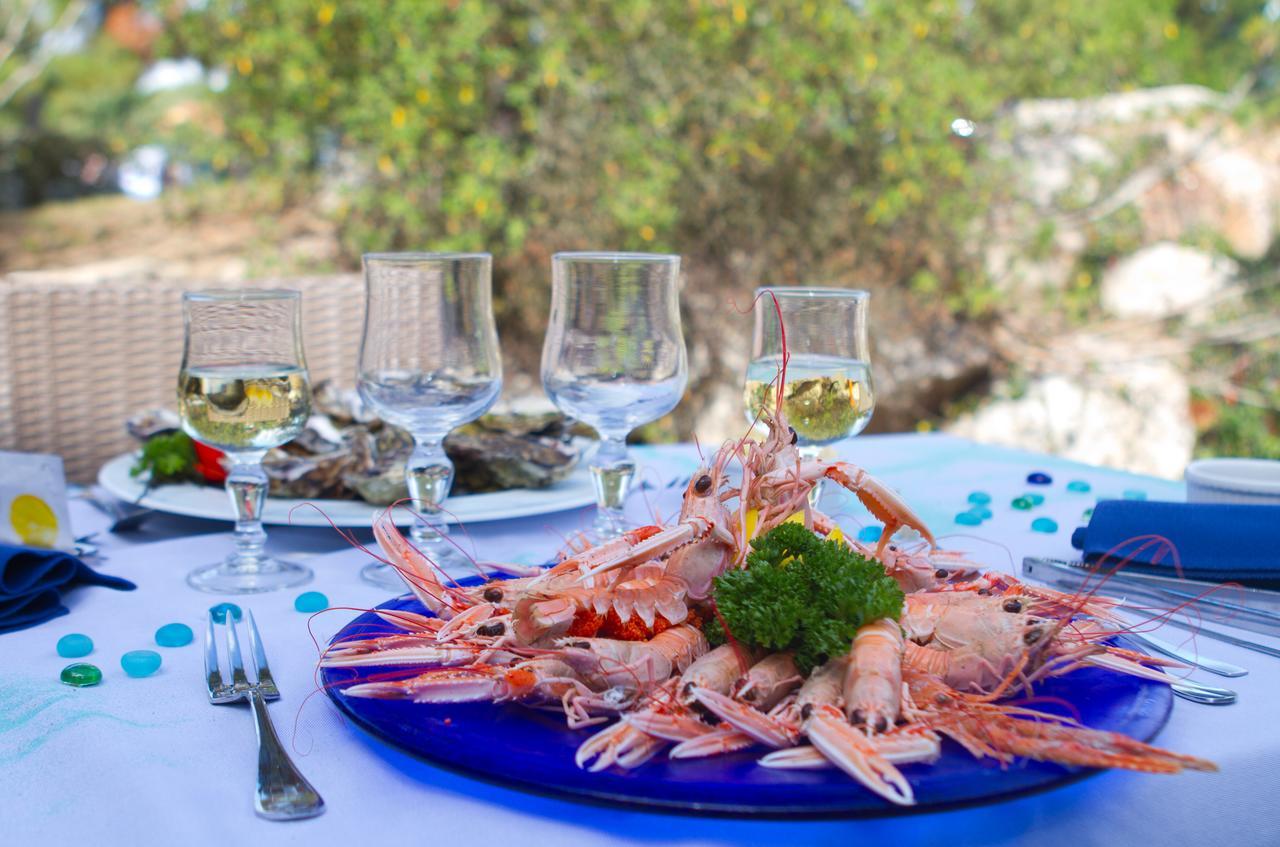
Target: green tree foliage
(804, 130)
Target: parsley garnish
(803, 593)
(169, 457)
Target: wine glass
(614, 357)
(429, 362)
(829, 394)
(243, 388)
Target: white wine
(239, 407)
(826, 398)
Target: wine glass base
(231, 577)
(383, 576)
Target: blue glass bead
(138, 663)
(1044, 525)
(311, 601)
(979, 498)
(968, 519)
(219, 612)
(1079, 486)
(1134, 494)
(174, 635)
(870, 533)
(1039, 478)
(1036, 499)
(74, 646)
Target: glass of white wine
(614, 357)
(829, 394)
(429, 362)
(243, 388)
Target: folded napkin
(1216, 542)
(32, 582)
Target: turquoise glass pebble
(968, 519)
(1036, 499)
(311, 601)
(870, 533)
(981, 511)
(1134, 494)
(979, 498)
(220, 611)
(1079, 486)
(1021, 503)
(1044, 525)
(74, 646)
(80, 675)
(174, 635)
(1039, 478)
(138, 663)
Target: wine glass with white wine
(429, 362)
(829, 394)
(243, 388)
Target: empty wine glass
(829, 395)
(614, 357)
(243, 388)
(429, 362)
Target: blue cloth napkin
(32, 582)
(1216, 542)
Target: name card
(33, 501)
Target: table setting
(949, 639)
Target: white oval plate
(206, 501)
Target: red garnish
(209, 463)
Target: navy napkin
(32, 582)
(1215, 542)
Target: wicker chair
(81, 352)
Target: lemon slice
(33, 521)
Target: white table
(150, 761)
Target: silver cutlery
(1199, 693)
(282, 793)
(1186, 656)
(125, 517)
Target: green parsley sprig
(168, 457)
(803, 593)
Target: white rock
(1164, 280)
(1132, 417)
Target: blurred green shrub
(801, 133)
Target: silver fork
(283, 793)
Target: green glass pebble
(1036, 499)
(80, 675)
(1044, 525)
(219, 612)
(870, 533)
(74, 646)
(139, 663)
(1088, 513)
(1079, 486)
(311, 601)
(1135, 494)
(174, 635)
(979, 498)
(1021, 503)
(968, 519)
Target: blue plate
(533, 750)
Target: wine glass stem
(611, 470)
(429, 474)
(247, 486)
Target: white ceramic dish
(206, 501)
(1254, 481)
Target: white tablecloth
(143, 761)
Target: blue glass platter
(533, 750)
